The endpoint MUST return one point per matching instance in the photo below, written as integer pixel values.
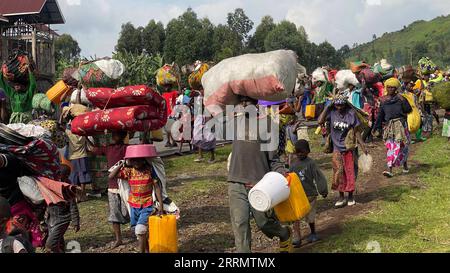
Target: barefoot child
(60, 216)
(143, 181)
(118, 214)
(313, 182)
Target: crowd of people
(349, 117)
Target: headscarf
(392, 82)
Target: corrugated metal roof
(33, 11)
(3, 19)
(20, 7)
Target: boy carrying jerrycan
(313, 182)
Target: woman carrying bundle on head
(393, 113)
(345, 130)
(21, 97)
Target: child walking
(118, 212)
(313, 182)
(59, 218)
(143, 181)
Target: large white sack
(84, 99)
(320, 75)
(112, 68)
(30, 189)
(344, 78)
(268, 76)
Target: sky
(96, 24)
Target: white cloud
(96, 23)
(73, 2)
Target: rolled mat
(124, 96)
(133, 119)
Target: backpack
(8, 243)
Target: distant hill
(419, 39)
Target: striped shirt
(141, 186)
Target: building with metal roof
(26, 24)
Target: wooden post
(52, 57)
(4, 48)
(33, 46)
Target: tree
(130, 39)
(240, 23)
(327, 55)
(286, 36)
(420, 49)
(226, 43)
(344, 51)
(256, 43)
(188, 39)
(374, 37)
(66, 48)
(153, 37)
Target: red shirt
(171, 100)
(113, 153)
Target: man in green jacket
(21, 98)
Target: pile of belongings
(132, 108)
(441, 94)
(267, 76)
(426, 66)
(39, 154)
(16, 68)
(385, 69)
(100, 73)
(169, 74)
(195, 78)
(30, 144)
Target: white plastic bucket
(272, 190)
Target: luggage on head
(267, 76)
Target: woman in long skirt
(393, 113)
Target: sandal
(388, 174)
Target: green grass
(408, 218)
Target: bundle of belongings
(427, 66)
(320, 75)
(100, 73)
(169, 74)
(268, 76)
(385, 69)
(357, 66)
(344, 78)
(30, 144)
(407, 73)
(17, 67)
(132, 108)
(195, 78)
(441, 94)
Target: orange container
(297, 206)
(163, 236)
(55, 93)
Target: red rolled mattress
(133, 119)
(124, 96)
